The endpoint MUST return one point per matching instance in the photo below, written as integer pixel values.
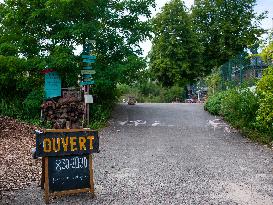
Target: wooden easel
(45, 175)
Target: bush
(152, 92)
(32, 104)
(213, 104)
(239, 107)
(100, 113)
(264, 119)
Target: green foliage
(11, 108)
(265, 84)
(242, 109)
(267, 53)
(45, 33)
(27, 109)
(265, 91)
(174, 93)
(175, 56)
(32, 103)
(100, 114)
(213, 81)
(132, 70)
(239, 107)
(265, 114)
(213, 104)
(225, 28)
(151, 92)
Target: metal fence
(242, 69)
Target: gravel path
(171, 154)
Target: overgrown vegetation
(151, 92)
(250, 111)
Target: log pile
(63, 113)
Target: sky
(262, 5)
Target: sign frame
(45, 174)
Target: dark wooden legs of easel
(92, 189)
(43, 174)
(44, 178)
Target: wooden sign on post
(52, 84)
(89, 57)
(86, 60)
(84, 72)
(67, 160)
(87, 83)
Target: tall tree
(175, 57)
(46, 32)
(225, 28)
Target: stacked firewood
(63, 113)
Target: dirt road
(172, 154)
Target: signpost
(67, 161)
(87, 71)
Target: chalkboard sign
(67, 166)
(68, 173)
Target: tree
(225, 28)
(175, 57)
(47, 32)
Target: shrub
(264, 119)
(213, 104)
(32, 104)
(239, 107)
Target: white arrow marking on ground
(122, 123)
(139, 122)
(156, 123)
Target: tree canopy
(225, 28)
(190, 43)
(47, 32)
(176, 53)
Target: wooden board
(89, 57)
(88, 60)
(87, 67)
(65, 142)
(87, 83)
(64, 175)
(83, 72)
(87, 76)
